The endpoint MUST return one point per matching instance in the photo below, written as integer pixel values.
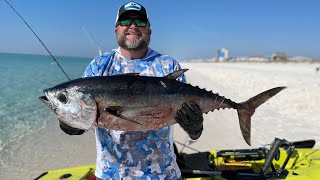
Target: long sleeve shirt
(128, 155)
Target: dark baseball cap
(132, 6)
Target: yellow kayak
(282, 160)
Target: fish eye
(62, 97)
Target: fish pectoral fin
(116, 111)
(176, 74)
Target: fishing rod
(25, 22)
(93, 40)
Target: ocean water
(23, 79)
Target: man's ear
(150, 31)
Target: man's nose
(133, 24)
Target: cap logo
(132, 6)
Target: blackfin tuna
(132, 102)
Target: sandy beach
(293, 114)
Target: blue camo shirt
(135, 154)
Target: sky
(181, 29)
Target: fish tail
(247, 109)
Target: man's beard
(133, 45)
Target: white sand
(292, 114)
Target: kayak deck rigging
(282, 160)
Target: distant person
(145, 154)
(317, 69)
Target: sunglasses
(138, 22)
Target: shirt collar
(150, 53)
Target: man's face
(132, 37)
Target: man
(145, 154)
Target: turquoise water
(23, 78)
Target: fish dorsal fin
(176, 74)
(128, 74)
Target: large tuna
(130, 102)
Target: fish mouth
(46, 101)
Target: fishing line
(25, 22)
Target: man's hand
(190, 119)
(70, 130)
